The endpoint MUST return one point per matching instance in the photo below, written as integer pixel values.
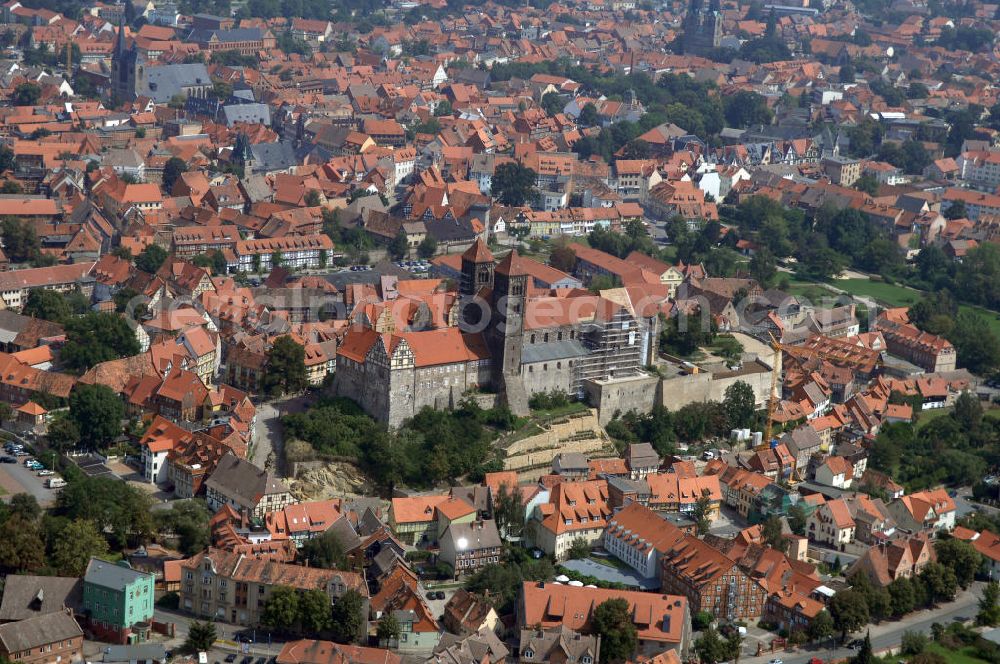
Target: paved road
(268, 435)
(888, 634)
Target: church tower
(124, 67)
(242, 154)
(477, 268)
(506, 331)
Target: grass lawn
(963, 656)
(888, 294)
(992, 318)
(610, 561)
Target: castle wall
(620, 395)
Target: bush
(170, 600)
(914, 643)
(297, 450)
(702, 620)
(549, 400)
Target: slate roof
(111, 575)
(38, 631)
(270, 157)
(252, 113)
(25, 595)
(163, 82)
(243, 481)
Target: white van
(55, 482)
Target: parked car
(8, 459)
(230, 658)
(45, 472)
(440, 594)
(55, 483)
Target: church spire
(120, 39)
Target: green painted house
(118, 601)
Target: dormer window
(529, 653)
(586, 659)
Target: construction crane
(772, 397)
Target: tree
(188, 521)
(47, 304)
(562, 257)
(78, 542)
(771, 532)
(6, 412)
(589, 117)
(901, 596)
(956, 210)
(989, 605)
(913, 642)
(26, 506)
(201, 637)
(940, 583)
(324, 552)
(578, 549)
(26, 94)
(399, 245)
(119, 510)
(702, 620)
(847, 73)
(97, 412)
(314, 611)
(172, 171)
(763, 267)
(21, 545)
(513, 184)
(746, 108)
(19, 240)
(387, 631)
(312, 198)
(958, 555)
(868, 184)
(508, 511)
(700, 514)
(281, 610)
(709, 647)
(821, 262)
(151, 258)
(864, 654)
(797, 519)
(739, 404)
(849, 611)
(347, 618)
(821, 626)
(442, 109)
(552, 103)
(285, 371)
(427, 247)
(613, 623)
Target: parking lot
(16, 478)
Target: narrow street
(885, 636)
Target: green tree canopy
(347, 618)
(513, 184)
(201, 637)
(613, 623)
(172, 171)
(97, 412)
(97, 337)
(285, 371)
(77, 543)
(151, 258)
(48, 304)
